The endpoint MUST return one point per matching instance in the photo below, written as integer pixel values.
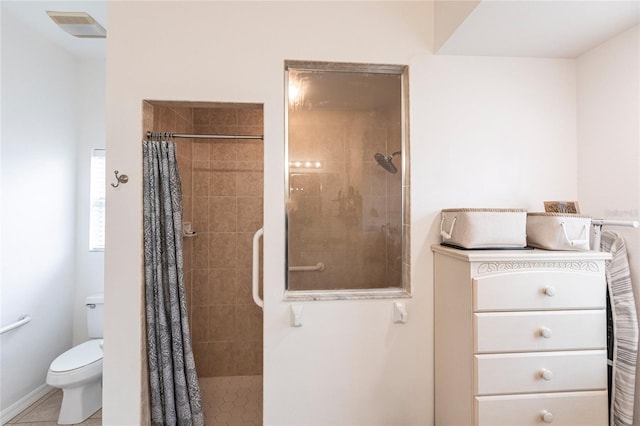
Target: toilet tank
(95, 315)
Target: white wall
(609, 142)
(485, 132)
(90, 131)
(38, 205)
(52, 114)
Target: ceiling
(539, 28)
(532, 28)
(33, 14)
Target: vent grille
(78, 24)
(71, 18)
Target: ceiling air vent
(78, 24)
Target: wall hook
(120, 179)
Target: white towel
(624, 324)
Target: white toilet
(78, 371)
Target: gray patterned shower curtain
(173, 382)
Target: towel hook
(120, 179)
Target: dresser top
(518, 254)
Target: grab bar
(22, 320)
(255, 279)
(599, 223)
(317, 267)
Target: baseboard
(23, 403)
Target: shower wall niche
(222, 185)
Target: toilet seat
(79, 364)
(78, 356)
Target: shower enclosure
(222, 188)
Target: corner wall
(609, 143)
(38, 208)
(90, 134)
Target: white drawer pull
(550, 290)
(547, 416)
(546, 332)
(546, 374)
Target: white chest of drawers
(520, 338)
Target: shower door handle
(255, 279)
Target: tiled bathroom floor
(227, 401)
(45, 411)
(232, 401)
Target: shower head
(386, 162)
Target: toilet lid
(78, 356)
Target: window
(97, 200)
(346, 181)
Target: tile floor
(232, 400)
(227, 401)
(44, 412)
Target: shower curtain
(173, 382)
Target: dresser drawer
(540, 331)
(561, 409)
(538, 290)
(540, 372)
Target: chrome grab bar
(22, 320)
(317, 267)
(255, 279)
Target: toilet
(78, 371)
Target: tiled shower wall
(347, 213)
(222, 182)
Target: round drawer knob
(547, 416)
(546, 374)
(550, 290)
(546, 332)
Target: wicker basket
(475, 228)
(558, 231)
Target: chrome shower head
(386, 162)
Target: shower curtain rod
(155, 135)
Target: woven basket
(477, 228)
(558, 231)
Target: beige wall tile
(222, 286)
(249, 214)
(222, 250)
(248, 356)
(244, 289)
(223, 214)
(222, 179)
(223, 149)
(222, 359)
(249, 322)
(201, 251)
(250, 117)
(200, 324)
(250, 184)
(200, 285)
(201, 179)
(222, 323)
(250, 150)
(200, 116)
(226, 116)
